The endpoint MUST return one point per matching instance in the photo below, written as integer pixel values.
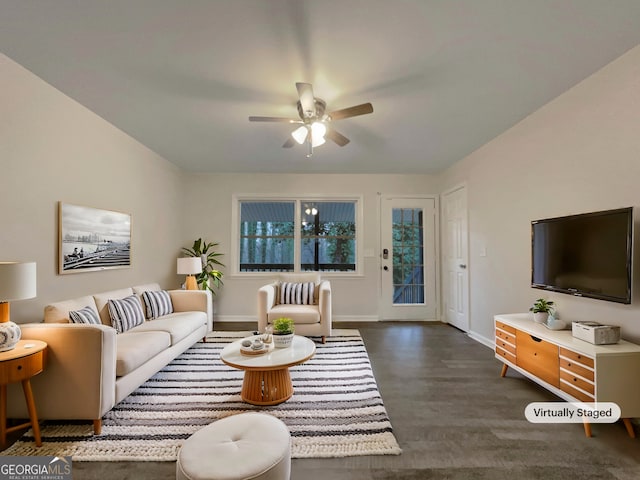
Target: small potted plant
(282, 332)
(541, 310)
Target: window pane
(408, 258)
(328, 236)
(266, 236)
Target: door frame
(436, 254)
(446, 192)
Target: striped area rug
(335, 411)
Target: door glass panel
(408, 256)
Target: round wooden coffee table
(266, 377)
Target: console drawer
(506, 346)
(507, 337)
(578, 382)
(538, 357)
(506, 355)
(577, 357)
(565, 387)
(576, 368)
(506, 328)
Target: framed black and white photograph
(92, 239)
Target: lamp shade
(17, 281)
(189, 266)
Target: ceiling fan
(315, 123)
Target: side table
(26, 360)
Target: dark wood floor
(454, 418)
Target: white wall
(208, 214)
(53, 149)
(579, 153)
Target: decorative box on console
(595, 333)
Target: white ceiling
(444, 76)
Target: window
(267, 236)
(295, 235)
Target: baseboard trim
(336, 318)
(482, 339)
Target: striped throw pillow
(297, 293)
(157, 303)
(125, 313)
(85, 315)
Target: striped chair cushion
(125, 313)
(157, 303)
(85, 315)
(297, 293)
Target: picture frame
(92, 239)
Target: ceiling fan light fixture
(300, 134)
(317, 141)
(318, 129)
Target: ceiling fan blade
(336, 137)
(362, 109)
(289, 143)
(307, 100)
(273, 119)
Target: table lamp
(190, 266)
(17, 282)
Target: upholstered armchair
(277, 300)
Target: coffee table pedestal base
(269, 387)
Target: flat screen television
(588, 255)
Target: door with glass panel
(408, 259)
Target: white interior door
(408, 263)
(455, 283)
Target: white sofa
(91, 368)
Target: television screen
(584, 255)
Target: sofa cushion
(297, 293)
(178, 325)
(135, 349)
(87, 315)
(125, 313)
(157, 303)
(59, 312)
(300, 313)
(102, 300)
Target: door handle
(385, 268)
(462, 266)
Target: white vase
(282, 341)
(540, 317)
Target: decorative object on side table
(190, 266)
(283, 329)
(17, 282)
(541, 310)
(209, 276)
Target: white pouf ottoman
(239, 447)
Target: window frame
(298, 200)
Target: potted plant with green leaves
(541, 310)
(283, 329)
(211, 276)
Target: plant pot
(282, 341)
(540, 317)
